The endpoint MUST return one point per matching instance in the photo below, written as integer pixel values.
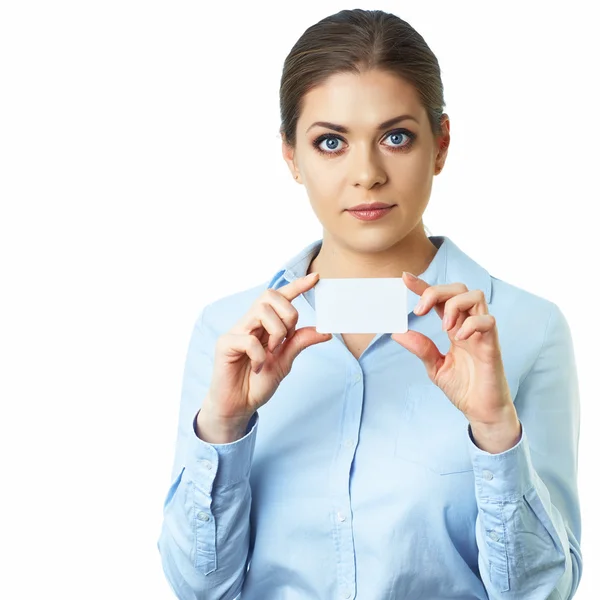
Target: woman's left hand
(471, 374)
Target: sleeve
(205, 533)
(528, 525)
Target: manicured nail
(419, 307)
(311, 275)
(410, 275)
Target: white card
(361, 305)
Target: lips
(371, 206)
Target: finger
(298, 286)
(233, 345)
(414, 283)
(283, 310)
(475, 323)
(303, 338)
(422, 347)
(436, 295)
(271, 322)
(472, 302)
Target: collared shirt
(360, 479)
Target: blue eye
(396, 136)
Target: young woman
(437, 463)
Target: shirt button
(493, 536)
(488, 475)
(357, 377)
(349, 443)
(347, 594)
(203, 516)
(341, 517)
(207, 465)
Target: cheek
(323, 205)
(413, 171)
(325, 189)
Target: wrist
(498, 437)
(217, 431)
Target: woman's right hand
(252, 359)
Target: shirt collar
(449, 265)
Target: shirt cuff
(503, 477)
(221, 465)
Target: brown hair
(355, 41)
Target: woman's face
(365, 163)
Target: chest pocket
(433, 432)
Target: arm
(205, 533)
(528, 526)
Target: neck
(336, 259)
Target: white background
(141, 178)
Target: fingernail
(410, 275)
(419, 307)
(311, 275)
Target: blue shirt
(360, 479)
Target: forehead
(351, 97)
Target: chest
(357, 342)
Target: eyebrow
(343, 129)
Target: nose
(367, 169)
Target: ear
(443, 143)
(288, 155)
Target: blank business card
(361, 305)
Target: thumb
(302, 338)
(421, 346)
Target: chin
(373, 240)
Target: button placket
(341, 515)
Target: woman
(436, 463)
